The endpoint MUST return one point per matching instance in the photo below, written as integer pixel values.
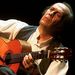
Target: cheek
(56, 19)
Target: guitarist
(45, 37)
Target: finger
(26, 57)
(30, 58)
(27, 60)
(25, 63)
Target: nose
(52, 13)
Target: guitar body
(13, 47)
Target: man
(50, 27)
(44, 38)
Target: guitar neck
(17, 58)
(57, 54)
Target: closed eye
(58, 14)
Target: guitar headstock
(61, 53)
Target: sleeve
(26, 32)
(58, 68)
(11, 27)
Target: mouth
(47, 18)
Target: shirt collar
(37, 33)
(44, 43)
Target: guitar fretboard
(17, 58)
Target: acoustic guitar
(11, 55)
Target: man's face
(52, 16)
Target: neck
(44, 30)
(44, 34)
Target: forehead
(61, 7)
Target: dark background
(30, 11)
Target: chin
(43, 23)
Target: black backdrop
(30, 12)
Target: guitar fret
(39, 54)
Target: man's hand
(27, 61)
